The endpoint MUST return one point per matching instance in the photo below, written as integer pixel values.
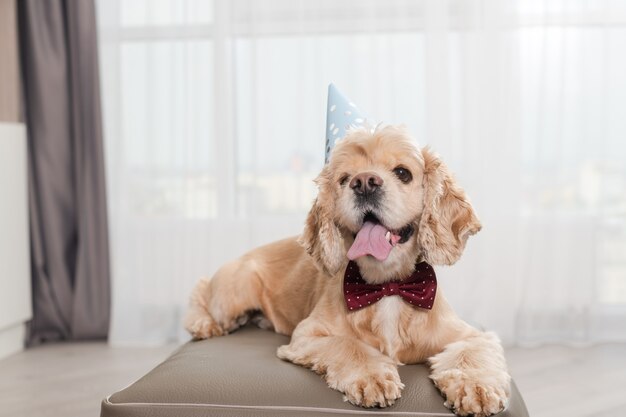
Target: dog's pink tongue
(370, 241)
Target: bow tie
(418, 289)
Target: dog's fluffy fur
(296, 284)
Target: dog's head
(385, 203)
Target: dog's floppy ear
(321, 237)
(448, 218)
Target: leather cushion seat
(240, 375)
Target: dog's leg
(222, 303)
(472, 375)
(366, 376)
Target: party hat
(341, 114)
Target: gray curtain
(69, 243)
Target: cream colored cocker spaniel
(384, 206)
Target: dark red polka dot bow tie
(418, 289)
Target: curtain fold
(68, 219)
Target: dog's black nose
(366, 183)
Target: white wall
(15, 299)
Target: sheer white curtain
(214, 124)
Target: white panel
(12, 339)
(15, 300)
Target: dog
(385, 209)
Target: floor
(558, 381)
(71, 379)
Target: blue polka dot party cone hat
(341, 115)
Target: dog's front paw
(370, 389)
(470, 392)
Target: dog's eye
(343, 179)
(403, 174)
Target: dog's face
(385, 203)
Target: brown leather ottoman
(240, 375)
